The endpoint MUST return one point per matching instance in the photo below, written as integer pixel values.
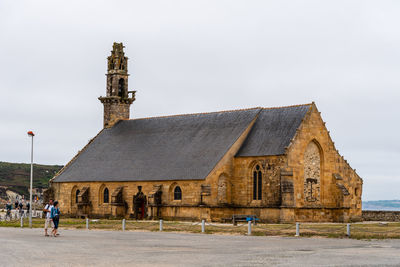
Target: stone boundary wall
(381, 215)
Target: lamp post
(31, 134)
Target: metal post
(249, 228)
(348, 230)
(87, 223)
(203, 226)
(123, 224)
(30, 192)
(297, 229)
(161, 225)
(22, 221)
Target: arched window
(76, 195)
(121, 87)
(177, 193)
(312, 172)
(257, 183)
(111, 82)
(105, 195)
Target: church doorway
(140, 205)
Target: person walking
(27, 207)
(21, 210)
(48, 221)
(55, 216)
(8, 208)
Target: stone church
(279, 164)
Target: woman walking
(55, 216)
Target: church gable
(316, 165)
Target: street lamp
(31, 134)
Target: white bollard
(203, 226)
(123, 224)
(87, 223)
(348, 230)
(22, 221)
(161, 225)
(249, 228)
(297, 229)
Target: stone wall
(115, 109)
(381, 215)
(243, 181)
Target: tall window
(105, 195)
(121, 86)
(312, 172)
(257, 183)
(111, 85)
(177, 193)
(76, 195)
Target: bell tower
(117, 100)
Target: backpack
(45, 209)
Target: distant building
(279, 164)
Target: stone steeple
(117, 100)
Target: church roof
(182, 147)
(273, 131)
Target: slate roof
(273, 131)
(185, 147)
(182, 147)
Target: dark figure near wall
(139, 204)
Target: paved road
(27, 247)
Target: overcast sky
(200, 56)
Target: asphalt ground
(29, 247)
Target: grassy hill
(16, 176)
